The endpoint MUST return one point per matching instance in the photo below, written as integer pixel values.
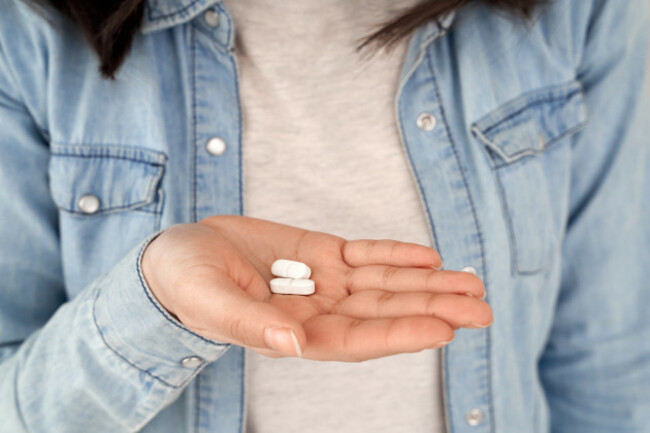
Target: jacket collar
(162, 14)
(420, 40)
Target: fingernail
(438, 268)
(442, 343)
(296, 346)
(475, 325)
(282, 340)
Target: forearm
(109, 360)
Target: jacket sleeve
(596, 366)
(107, 360)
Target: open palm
(373, 298)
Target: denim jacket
(535, 175)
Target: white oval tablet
(290, 269)
(292, 286)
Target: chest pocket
(522, 139)
(109, 199)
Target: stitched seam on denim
(239, 135)
(230, 26)
(510, 159)
(94, 146)
(197, 403)
(536, 151)
(165, 16)
(421, 53)
(504, 204)
(490, 145)
(164, 313)
(514, 263)
(108, 150)
(534, 102)
(210, 32)
(242, 390)
(147, 211)
(158, 210)
(121, 158)
(547, 261)
(478, 230)
(150, 198)
(448, 402)
(119, 355)
(416, 62)
(193, 169)
(105, 211)
(153, 184)
(415, 174)
(566, 133)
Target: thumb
(262, 325)
(283, 340)
(225, 312)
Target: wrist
(148, 265)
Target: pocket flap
(532, 122)
(119, 177)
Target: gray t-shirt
(321, 150)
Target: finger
(263, 242)
(459, 311)
(396, 279)
(365, 252)
(214, 306)
(342, 338)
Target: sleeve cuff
(138, 329)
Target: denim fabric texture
(536, 175)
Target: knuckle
(371, 246)
(387, 276)
(431, 305)
(349, 280)
(432, 280)
(383, 299)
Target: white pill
(290, 269)
(292, 286)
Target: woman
(514, 149)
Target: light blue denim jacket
(535, 175)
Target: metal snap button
(426, 121)
(216, 146)
(211, 18)
(88, 204)
(191, 362)
(474, 417)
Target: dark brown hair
(109, 25)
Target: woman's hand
(373, 298)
